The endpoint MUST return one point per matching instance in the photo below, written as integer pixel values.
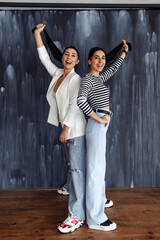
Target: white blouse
(63, 103)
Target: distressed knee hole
(75, 170)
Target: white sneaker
(106, 226)
(63, 191)
(108, 203)
(70, 225)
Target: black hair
(93, 50)
(57, 54)
(73, 48)
(112, 55)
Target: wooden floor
(35, 215)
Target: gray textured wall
(30, 154)
(88, 1)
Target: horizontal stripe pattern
(93, 93)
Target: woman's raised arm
(37, 33)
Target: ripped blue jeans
(77, 170)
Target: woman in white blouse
(62, 98)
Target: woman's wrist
(38, 28)
(100, 120)
(126, 52)
(123, 54)
(65, 128)
(36, 31)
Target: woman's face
(97, 62)
(70, 58)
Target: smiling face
(70, 59)
(97, 62)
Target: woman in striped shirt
(93, 100)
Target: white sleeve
(46, 61)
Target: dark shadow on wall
(30, 154)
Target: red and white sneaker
(70, 225)
(63, 191)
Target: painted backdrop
(30, 154)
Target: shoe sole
(108, 205)
(72, 229)
(62, 193)
(112, 227)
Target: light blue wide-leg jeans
(77, 191)
(96, 167)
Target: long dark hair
(57, 54)
(112, 55)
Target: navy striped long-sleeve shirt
(93, 93)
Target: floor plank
(35, 214)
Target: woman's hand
(63, 135)
(125, 46)
(40, 27)
(104, 120)
(38, 30)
